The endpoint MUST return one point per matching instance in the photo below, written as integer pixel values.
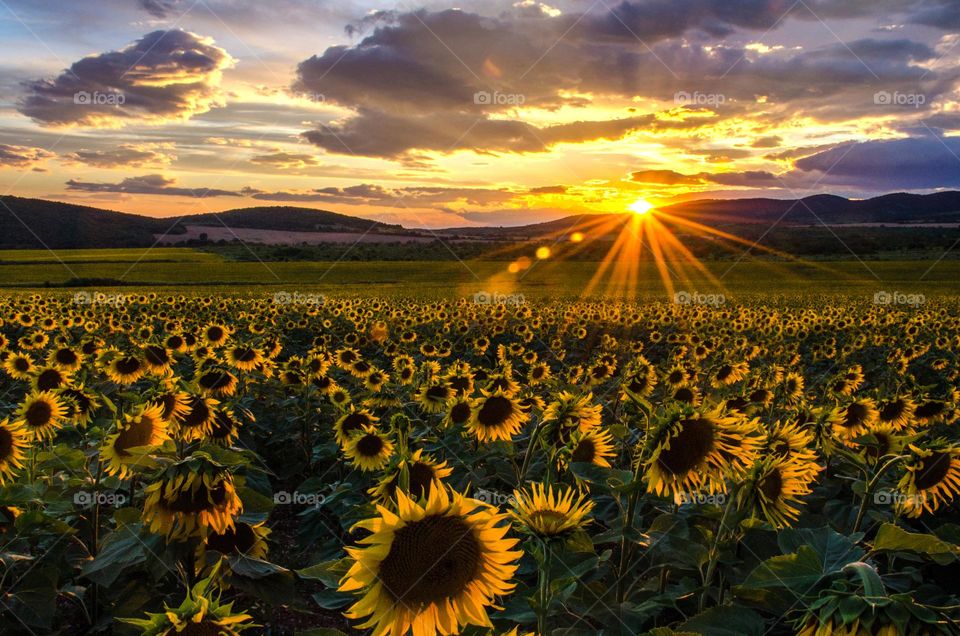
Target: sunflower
(13, 441)
(496, 416)
(932, 479)
(216, 334)
(368, 450)
(788, 440)
(432, 568)
(690, 452)
(249, 540)
(244, 358)
(594, 446)
(175, 404)
(157, 360)
(729, 373)
(433, 396)
(192, 498)
(355, 420)
(569, 413)
(897, 413)
(538, 373)
(854, 420)
(774, 487)
(19, 366)
(80, 404)
(541, 511)
(65, 359)
(882, 439)
(200, 614)
(197, 420)
(792, 388)
(638, 383)
(124, 369)
(41, 414)
(143, 431)
(425, 475)
(218, 383)
(50, 379)
(225, 427)
(459, 412)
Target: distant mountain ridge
(37, 223)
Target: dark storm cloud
(928, 162)
(149, 184)
(159, 8)
(942, 15)
(671, 178)
(164, 75)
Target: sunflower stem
(534, 438)
(715, 550)
(544, 590)
(625, 543)
(869, 489)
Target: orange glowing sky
(496, 113)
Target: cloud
(747, 178)
(22, 156)
(149, 184)
(158, 8)
(554, 189)
(286, 160)
(124, 155)
(915, 163)
(165, 75)
(664, 177)
(371, 194)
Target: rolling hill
(37, 223)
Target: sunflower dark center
(38, 414)
(892, 410)
(199, 413)
(495, 411)
(354, 422)
(21, 364)
(216, 380)
(856, 415)
(724, 372)
(431, 560)
(930, 409)
(691, 445)
(157, 355)
(249, 355)
(203, 628)
(438, 392)
(49, 379)
(240, 540)
(684, 395)
(460, 413)
(675, 377)
(66, 356)
(137, 434)
(6, 443)
(780, 448)
(127, 365)
(214, 334)
(585, 451)
(369, 445)
(771, 485)
(933, 470)
(460, 384)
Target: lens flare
(641, 207)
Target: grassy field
(187, 268)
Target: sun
(641, 207)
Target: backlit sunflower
(197, 420)
(369, 450)
(542, 511)
(217, 382)
(19, 366)
(432, 568)
(459, 412)
(729, 373)
(80, 404)
(694, 452)
(13, 441)
(424, 472)
(41, 414)
(216, 334)
(354, 421)
(931, 480)
(432, 396)
(192, 498)
(138, 433)
(569, 413)
(124, 369)
(244, 358)
(854, 419)
(497, 416)
(774, 487)
(49, 379)
(594, 446)
(65, 359)
(897, 413)
(246, 539)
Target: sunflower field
(230, 464)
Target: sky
(479, 113)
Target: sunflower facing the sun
(433, 567)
